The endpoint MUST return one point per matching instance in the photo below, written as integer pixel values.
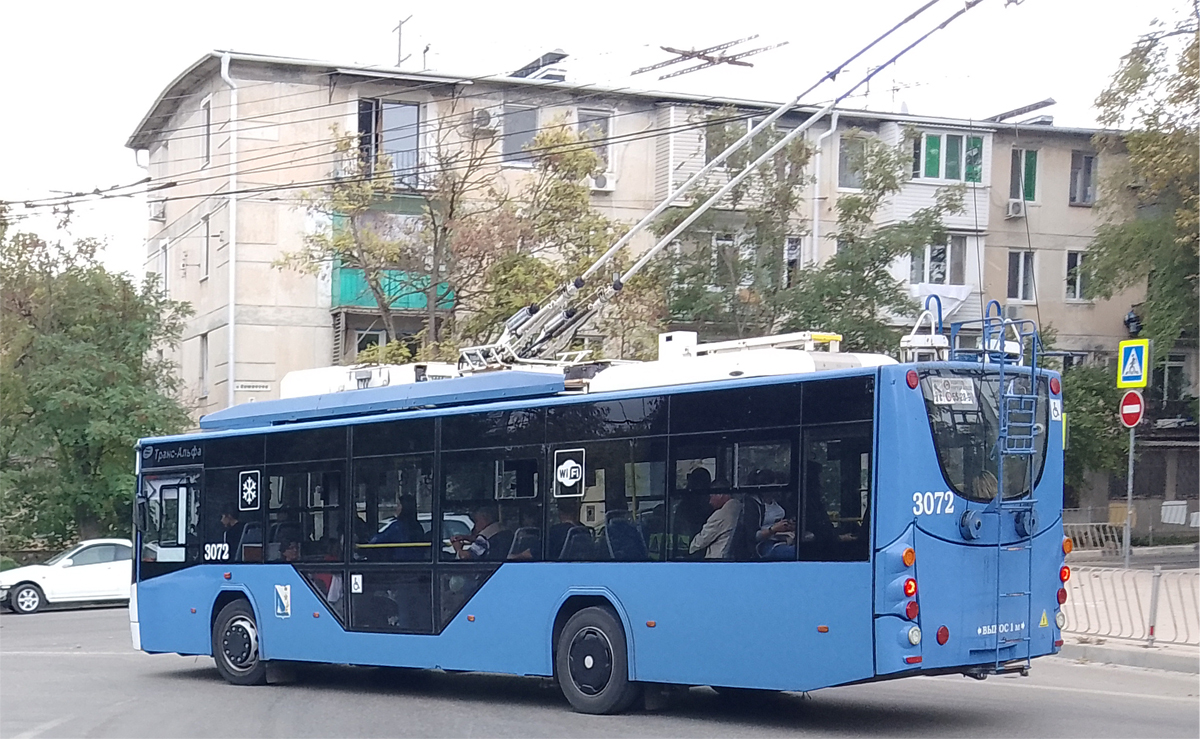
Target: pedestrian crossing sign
(1133, 363)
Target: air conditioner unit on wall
(1016, 209)
(602, 183)
(158, 210)
(485, 121)
(1012, 312)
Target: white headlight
(1060, 619)
(914, 635)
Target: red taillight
(911, 610)
(911, 378)
(912, 660)
(1055, 385)
(1064, 574)
(943, 635)
(1062, 596)
(910, 587)
(1058, 642)
(909, 557)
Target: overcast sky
(78, 76)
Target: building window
(1023, 176)
(1169, 381)
(850, 160)
(1020, 275)
(941, 264)
(206, 234)
(202, 384)
(520, 127)
(164, 264)
(206, 139)
(364, 339)
(594, 126)
(791, 258)
(948, 156)
(1083, 178)
(392, 130)
(1076, 277)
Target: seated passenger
(714, 538)
(404, 529)
(527, 540)
(488, 540)
(568, 518)
(775, 535)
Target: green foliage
(80, 382)
(393, 352)
(1150, 191)
(1096, 441)
(748, 290)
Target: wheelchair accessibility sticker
(283, 601)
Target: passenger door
(88, 574)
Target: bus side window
(496, 494)
(305, 517)
(393, 504)
(835, 518)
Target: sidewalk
(1173, 657)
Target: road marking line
(43, 728)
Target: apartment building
(231, 142)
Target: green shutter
(953, 157)
(933, 155)
(974, 158)
(1030, 173)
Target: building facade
(235, 138)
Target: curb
(1132, 657)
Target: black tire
(591, 663)
(26, 598)
(236, 647)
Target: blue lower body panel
(746, 625)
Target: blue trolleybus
(771, 515)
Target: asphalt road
(73, 673)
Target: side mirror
(141, 516)
(66, 562)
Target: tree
(1149, 197)
(1095, 441)
(80, 382)
(746, 285)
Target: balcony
(407, 292)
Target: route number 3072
(216, 551)
(931, 503)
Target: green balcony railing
(407, 292)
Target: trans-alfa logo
(569, 473)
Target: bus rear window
(963, 408)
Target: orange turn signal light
(651, 624)
(1068, 545)
(909, 557)
(823, 629)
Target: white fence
(1134, 604)
(1095, 536)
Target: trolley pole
(1129, 498)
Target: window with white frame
(202, 384)
(368, 338)
(519, 125)
(594, 126)
(1020, 275)
(850, 160)
(1022, 182)
(393, 130)
(206, 235)
(206, 139)
(948, 156)
(1076, 276)
(1083, 178)
(941, 264)
(1169, 381)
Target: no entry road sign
(1132, 407)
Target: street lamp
(1133, 323)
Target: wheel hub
(27, 599)
(240, 644)
(590, 661)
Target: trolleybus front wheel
(235, 645)
(592, 663)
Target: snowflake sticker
(248, 487)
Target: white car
(92, 571)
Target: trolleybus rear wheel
(236, 647)
(592, 663)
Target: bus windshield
(963, 408)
